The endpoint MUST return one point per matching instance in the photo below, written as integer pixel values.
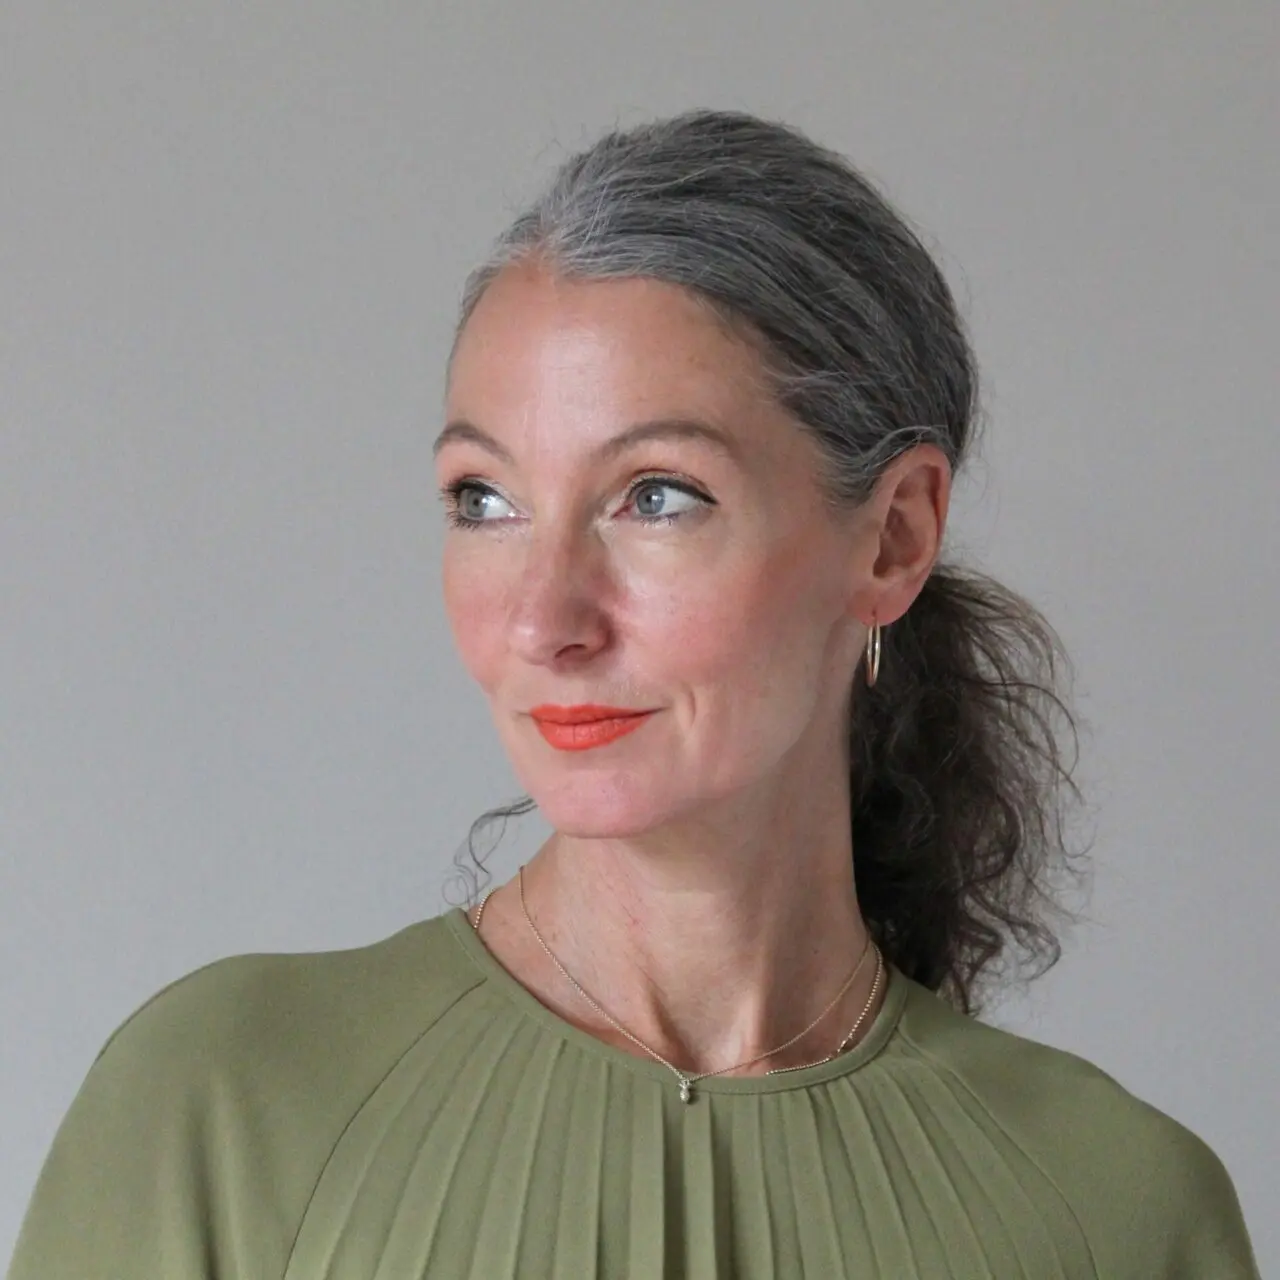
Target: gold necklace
(686, 1079)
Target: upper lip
(583, 713)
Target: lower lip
(590, 733)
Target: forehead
(642, 346)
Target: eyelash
(452, 495)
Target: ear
(906, 517)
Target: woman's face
(692, 572)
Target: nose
(559, 599)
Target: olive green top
(408, 1109)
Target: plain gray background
(231, 242)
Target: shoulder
(1136, 1179)
(255, 1010)
(205, 1120)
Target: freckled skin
(737, 620)
(699, 880)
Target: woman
(704, 409)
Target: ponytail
(959, 787)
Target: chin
(599, 805)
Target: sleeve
(1207, 1233)
(195, 1143)
(151, 1172)
(1166, 1209)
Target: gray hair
(861, 338)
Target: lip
(581, 728)
(584, 713)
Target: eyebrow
(639, 433)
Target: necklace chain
(688, 1079)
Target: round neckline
(873, 1041)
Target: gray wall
(231, 238)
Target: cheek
(749, 634)
(473, 617)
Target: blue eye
(463, 513)
(467, 501)
(657, 484)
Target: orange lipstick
(585, 726)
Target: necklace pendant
(685, 1095)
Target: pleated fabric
(500, 1147)
(409, 1110)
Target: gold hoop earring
(873, 654)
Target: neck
(711, 951)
